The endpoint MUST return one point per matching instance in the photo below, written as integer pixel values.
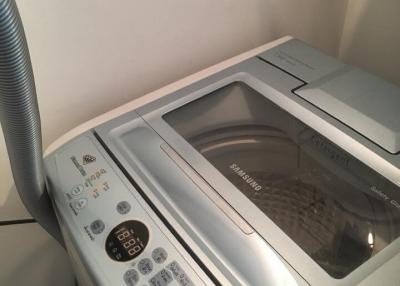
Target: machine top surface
(241, 177)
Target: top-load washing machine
(282, 169)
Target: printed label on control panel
(179, 274)
(78, 166)
(162, 278)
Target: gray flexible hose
(20, 119)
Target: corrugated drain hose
(20, 119)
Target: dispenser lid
(362, 101)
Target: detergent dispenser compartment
(362, 101)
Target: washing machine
(282, 168)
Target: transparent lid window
(339, 211)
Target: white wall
(371, 37)
(92, 55)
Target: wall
(92, 55)
(371, 37)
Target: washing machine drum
(324, 199)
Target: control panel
(114, 230)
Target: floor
(44, 261)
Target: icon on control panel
(77, 190)
(87, 159)
(80, 203)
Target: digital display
(127, 240)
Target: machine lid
(336, 209)
(362, 101)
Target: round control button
(77, 190)
(131, 277)
(159, 255)
(145, 266)
(97, 226)
(123, 207)
(80, 203)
